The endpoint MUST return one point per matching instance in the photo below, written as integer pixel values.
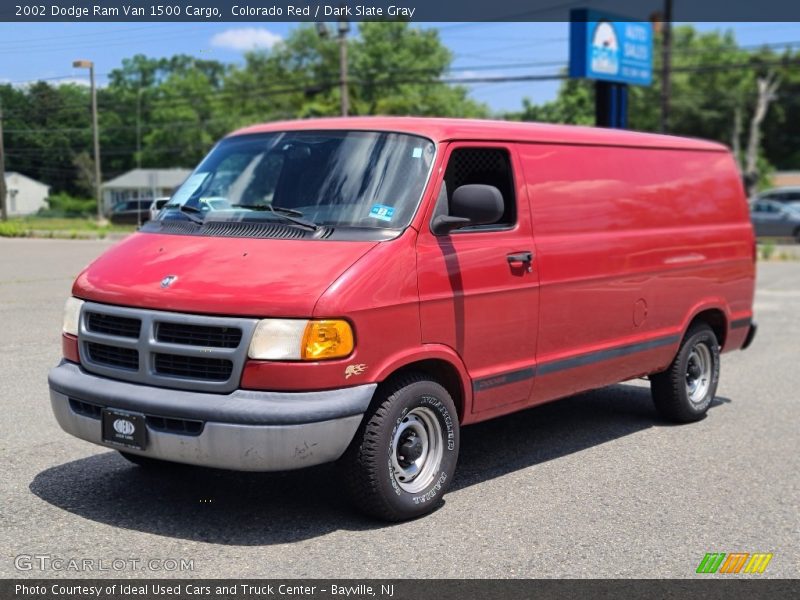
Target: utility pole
(139, 128)
(666, 59)
(344, 28)
(3, 190)
(87, 64)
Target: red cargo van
(356, 290)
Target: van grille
(113, 325)
(113, 356)
(211, 369)
(179, 426)
(84, 408)
(174, 350)
(198, 335)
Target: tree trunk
(736, 136)
(767, 86)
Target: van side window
(489, 166)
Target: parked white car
(156, 206)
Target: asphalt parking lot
(591, 486)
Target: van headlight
(301, 339)
(72, 315)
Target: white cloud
(245, 38)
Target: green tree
(393, 69)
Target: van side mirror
(474, 204)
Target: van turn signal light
(327, 339)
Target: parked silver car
(775, 219)
(784, 195)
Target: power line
(89, 43)
(246, 92)
(77, 35)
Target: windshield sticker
(416, 153)
(382, 212)
(189, 187)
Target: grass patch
(12, 229)
(62, 227)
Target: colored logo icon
(735, 562)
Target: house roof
(145, 178)
(10, 174)
(441, 130)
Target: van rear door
(478, 293)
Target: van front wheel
(404, 454)
(685, 390)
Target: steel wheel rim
(698, 373)
(417, 449)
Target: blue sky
(31, 51)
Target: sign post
(615, 52)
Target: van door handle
(520, 257)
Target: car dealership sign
(610, 48)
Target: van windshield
(308, 179)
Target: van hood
(220, 276)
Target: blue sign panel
(610, 48)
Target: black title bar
(410, 10)
(401, 589)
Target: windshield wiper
(287, 214)
(190, 211)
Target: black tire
(671, 388)
(147, 461)
(372, 468)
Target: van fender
(397, 361)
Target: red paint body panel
(378, 295)
(474, 301)
(672, 235)
(219, 276)
(444, 130)
(69, 348)
(633, 236)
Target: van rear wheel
(404, 454)
(685, 390)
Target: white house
(24, 196)
(142, 183)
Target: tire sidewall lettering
(433, 491)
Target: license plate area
(125, 429)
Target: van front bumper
(245, 430)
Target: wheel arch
(713, 316)
(441, 364)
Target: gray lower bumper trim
(229, 445)
(241, 407)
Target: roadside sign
(608, 47)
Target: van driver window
(488, 166)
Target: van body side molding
(494, 381)
(741, 323)
(486, 383)
(607, 354)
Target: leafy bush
(64, 205)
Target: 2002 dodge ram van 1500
(356, 290)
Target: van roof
(441, 130)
